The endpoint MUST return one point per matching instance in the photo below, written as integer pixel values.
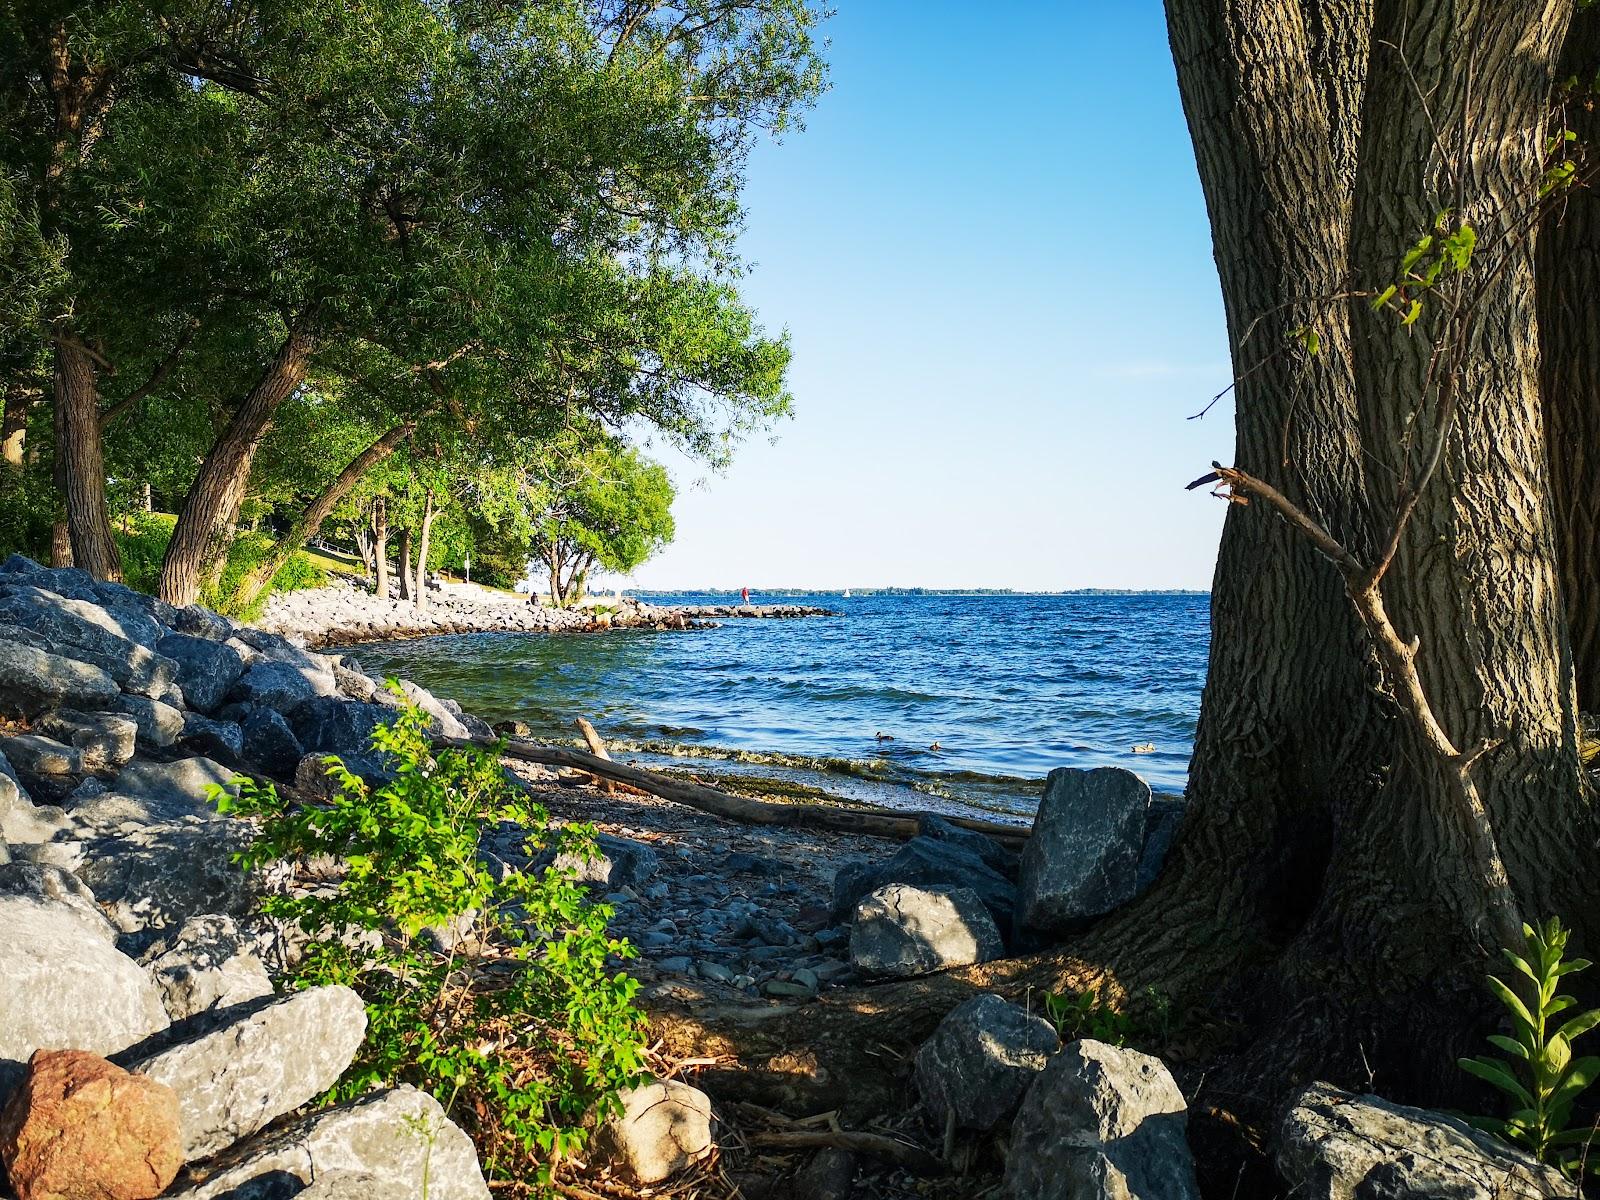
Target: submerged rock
(1334, 1145)
(1082, 858)
(80, 1127)
(901, 931)
(1100, 1121)
(980, 1061)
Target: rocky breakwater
(728, 612)
(345, 613)
(143, 1051)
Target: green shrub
(142, 538)
(1539, 1073)
(520, 1043)
(1085, 1015)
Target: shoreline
(344, 613)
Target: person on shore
(744, 594)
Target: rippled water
(1009, 686)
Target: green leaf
(1519, 1010)
(1512, 1047)
(1412, 313)
(1495, 1073)
(1385, 296)
(1580, 1024)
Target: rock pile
(138, 1030)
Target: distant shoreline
(855, 592)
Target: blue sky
(990, 250)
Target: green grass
(142, 540)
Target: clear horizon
(1003, 308)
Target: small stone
(678, 964)
(664, 1127)
(716, 971)
(80, 1128)
(780, 987)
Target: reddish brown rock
(81, 1128)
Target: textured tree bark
(310, 520)
(421, 587)
(214, 498)
(81, 467)
(380, 548)
(1569, 328)
(405, 564)
(14, 431)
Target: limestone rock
(400, 1139)
(41, 757)
(270, 744)
(621, 862)
(980, 1061)
(106, 739)
(353, 1185)
(232, 1081)
(184, 785)
(1333, 1145)
(86, 631)
(221, 740)
(1101, 1122)
(80, 1128)
(206, 669)
(33, 681)
(196, 621)
(665, 1126)
(901, 930)
(926, 861)
(206, 966)
(58, 887)
(282, 686)
(153, 878)
(62, 985)
(1082, 858)
(160, 724)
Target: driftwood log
(863, 819)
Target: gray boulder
(281, 685)
(26, 824)
(1101, 1122)
(84, 630)
(196, 621)
(208, 965)
(152, 879)
(270, 744)
(160, 724)
(55, 886)
(901, 930)
(927, 861)
(1082, 859)
(181, 786)
(38, 757)
(219, 739)
(33, 681)
(664, 1127)
(985, 847)
(144, 618)
(232, 1081)
(105, 739)
(979, 1062)
(621, 862)
(64, 581)
(207, 670)
(329, 725)
(62, 985)
(1333, 1145)
(446, 723)
(400, 1139)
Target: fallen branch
(912, 1158)
(597, 747)
(871, 821)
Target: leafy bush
(142, 539)
(1085, 1015)
(1540, 1075)
(521, 1033)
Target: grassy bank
(142, 540)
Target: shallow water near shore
(1009, 686)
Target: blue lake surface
(1009, 686)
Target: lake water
(1008, 686)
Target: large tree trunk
(380, 548)
(81, 471)
(421, 587)
(310, 520)
(1569, 328)
(214, 498)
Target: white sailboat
(845, 593)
